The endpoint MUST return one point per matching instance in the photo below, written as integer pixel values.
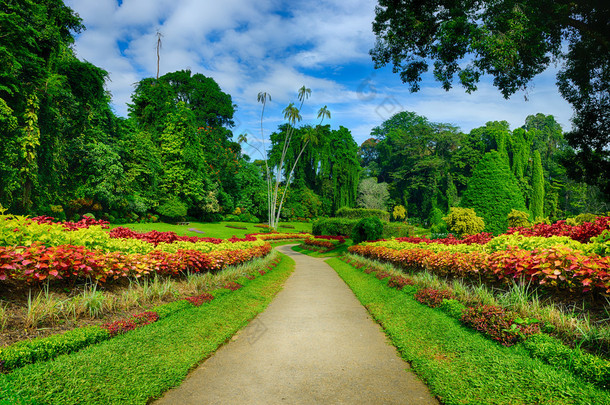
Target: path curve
(315, 343)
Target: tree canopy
(513, 41)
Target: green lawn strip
(144, 363)
(460, 365)
(215, 229)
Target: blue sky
(278, 46)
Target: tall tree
(513, 41)
(414, 158)
(537, 203)
(493, 192)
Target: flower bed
(38, 262)
(556, 268)
(327, 242)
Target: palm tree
(324, 113)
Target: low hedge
(360, 213)
(32, 351)
(554, 352)
(344, 227)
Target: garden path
(315, 343)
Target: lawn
(222, 230)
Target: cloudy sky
(278, 46)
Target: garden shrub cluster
(327, 242)
(464, 221)
(361, 213)
(333, 226)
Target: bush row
(31, 351)
(555, 269)
(37, 262)
(345, 226)
(19, 231)
(360, 213)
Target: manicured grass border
(142, 364)
(460, 365)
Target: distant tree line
(429, 166)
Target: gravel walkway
(314, 344)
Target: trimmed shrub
(493, 192)
(581, 218)
(367, 229)
(518, 218)
(360, 213)
(333, 226)
(32, 351)
(554, 352)
(464, 221)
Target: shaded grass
(214, 229)
(460, 365)
(142, 364)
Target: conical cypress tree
(493, 192)
(537, 203)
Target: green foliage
(453, 308)
(397, 230)
(515, 240)
(518, 218)
(41, 349)
(369, 228)
(333, 226)
(555, 353)
(493, 192)
(464, 221)
(414, 157)
(437, 224)
(359, 213)
(581, 218)
(173, 208)
(537, 203)
(372, 195)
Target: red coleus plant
(399, 282)
(232, 285)
(499, 324)
(125, 325)
(200, 299)
(433, 297)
